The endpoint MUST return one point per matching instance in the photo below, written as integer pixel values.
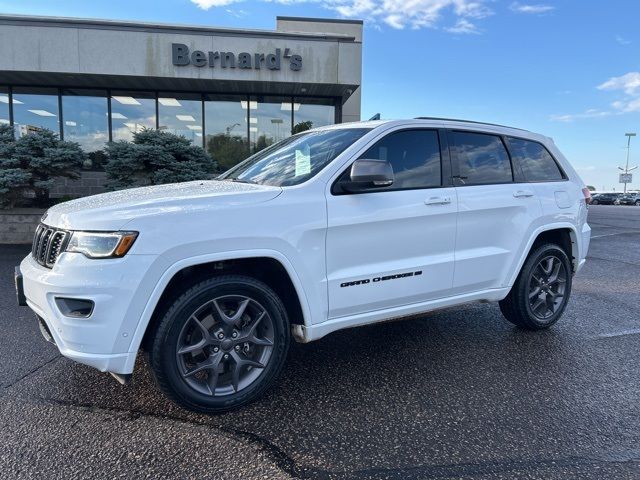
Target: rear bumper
(102, 339)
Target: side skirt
(306, 334)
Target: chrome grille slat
(48, 243)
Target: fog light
(75, 307)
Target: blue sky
(568, 69)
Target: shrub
(153, 158)
(32, 163)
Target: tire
(637, 204)
(213, 329)
(594, 202)
(523, 306)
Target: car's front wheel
(637, 203)
(541, 291)
(221, 344)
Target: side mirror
(368, 175)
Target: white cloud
(591, 113)
(622, 41)
(532, 9)
(398, 14)
(463, 26)
(629, 83)
(207, 4)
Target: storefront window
(225, 126)
(85, 116)
(181, 114)
(4, 106)
(313, 112)
(35, 109)
(270, 121)
(131, 112)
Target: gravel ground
(459, 393)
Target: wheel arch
(563, 234)
(269, 266)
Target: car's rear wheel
(637, 203)
(221, 344)
(594, 202)
(541, 291)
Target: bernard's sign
(181, 56)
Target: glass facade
(225, 119)
(131, 112)
(181, 115)
(86, 121)
(270, 121)
(35, 109)
(4, 106)
(228, 127)
(313, 112)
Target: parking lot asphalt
(458, 393)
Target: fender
(168, 274)
(532, 239)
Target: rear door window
(534, 161)
(482, 158)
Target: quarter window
(482, 159)
(534, 160)
(414, 156)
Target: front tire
(221, 344)
(541, 291)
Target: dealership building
(231, 91)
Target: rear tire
(541, 291)
(221, 344)
(594, 202)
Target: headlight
(101, 244)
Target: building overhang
(176, 84)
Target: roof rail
(469, 121)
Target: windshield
(295, 159)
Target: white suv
(329, 229)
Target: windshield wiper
(238, 180)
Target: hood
(113, 210)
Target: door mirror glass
(368, 174)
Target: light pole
(626, 168)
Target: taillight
(587, 195)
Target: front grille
(48, 242)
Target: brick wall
(89, 183)
(18, 225)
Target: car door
(496, 211)
(393, 246)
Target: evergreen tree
(32, 163)
(153, 158)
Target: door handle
(523, 193)
(437, 201)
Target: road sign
(626, 178)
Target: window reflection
(181, 115)
(35, 109)
(313, 112)
(4, 106)
(226, 129)
(270, 119)
(131, 112)
(86, 122)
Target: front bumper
(101, 340)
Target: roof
(102, 24)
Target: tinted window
(534, 160)
(414, 156)
(481, 158)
